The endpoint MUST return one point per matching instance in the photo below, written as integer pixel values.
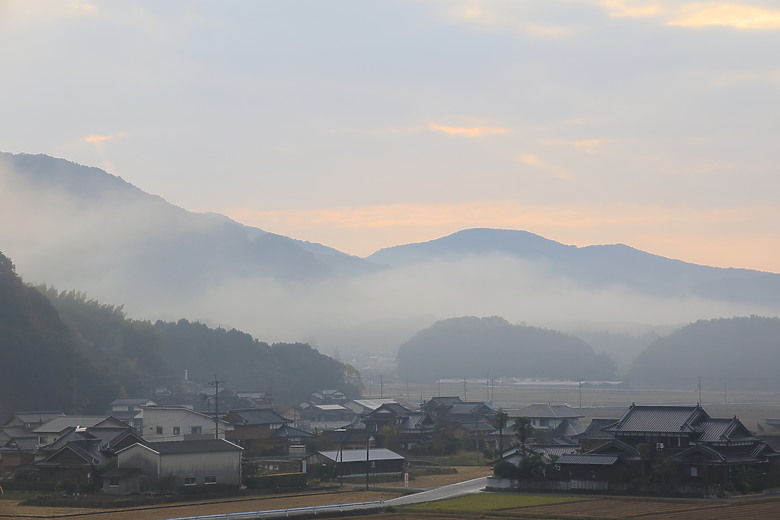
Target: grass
(491, 502)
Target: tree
(523, 428)
(502, 419)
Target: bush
(505, 469)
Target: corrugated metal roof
(358, 455)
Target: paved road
(455, 490)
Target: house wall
(146, 460)
(225, 466)
(169, 419)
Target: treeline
(738, 352)
(62, 350)
(479, 347)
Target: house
(178, 423)
(593, 435)
(128, 410)
(77, 455)
(350, 463)
(262, 431)
(174, 466)
(53, 429)
(316, 417)
(681, 447)
(546, 416)
(31, 420)
(351, 438)
(409, 428)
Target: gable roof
(59, 424)
(286, 431)
(659, 419)
(185, 447)
(247, 416)
(595, 430)
(34, 417)
(547, 411)
(360, 455)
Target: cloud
(588, 146)
(536, 162)
(631, 8)
(97, 138)
(727, 15)
(468, 131)
(509, 16)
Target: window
(113, 482)
(210, 479)
(177, 430)
(158, 430)
(190, 481)
(694, 471)
(196, 430)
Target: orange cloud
(97, 138)
(628, 8)
(728, 15)
(468, 131)
(589, 146)
(536, 162)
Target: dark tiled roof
(256, 416)
(594, 430)
(659, 419)
(287, 431)
(567, 428)
(587, 459)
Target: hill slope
(742, 352)
(478, 347)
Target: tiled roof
(288, 431)
(586, 459)
(659, 419)
(256, 416)
(594, 430)
(58, 424)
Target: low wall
(598, 486)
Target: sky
(362, 125)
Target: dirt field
(10, 509)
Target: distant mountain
(740, 352)
(596, 266)
(145, 248)
(78, 227)
(471, 347)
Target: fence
(292, 511)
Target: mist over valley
(78, 227)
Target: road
(455, 490)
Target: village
(242, 440)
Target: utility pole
(464, 390)
(699, 390)
(580, 385)
(215, 383)
(381, 386)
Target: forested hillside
(478, 347)
(61, 350)
(43, 365)
(150, 355)
(740, 352)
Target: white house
(177, 423)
